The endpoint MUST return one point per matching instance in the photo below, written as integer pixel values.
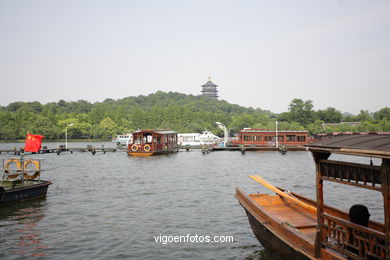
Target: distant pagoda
(210, 89)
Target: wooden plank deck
(289, 214)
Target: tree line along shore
(179, 112)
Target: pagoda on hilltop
(210, 89)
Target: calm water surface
(110, 206)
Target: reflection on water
(110, 206)
(20, 222)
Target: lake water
(112, 206)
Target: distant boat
(152, 142)
(124, 139)
(295, 227)
(197, 139)
(208, 138)
(20, 180)
(270, 138)
(283, 149)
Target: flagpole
(277, 139)
(66, 135)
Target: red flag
(33, 143)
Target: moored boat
(20, 180)
(152, 142)
(123, 139)
(283, 149)
(271, 138)
(198, 139)
(296, 227)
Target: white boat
(197, 139)
(188, 139)
(208, 138)
(123, 139)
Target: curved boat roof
(377, 145)
(157, 131)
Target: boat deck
(288, 214)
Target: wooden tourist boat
(20, 180)
(268, 137)
(295, 227)
(151, 142)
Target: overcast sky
(259, 53)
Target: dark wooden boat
(295, 227)
(152, 142)
(283, 149)
(20, 182)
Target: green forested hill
(179, 112)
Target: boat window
(188, 139)
(159, 139)
(291, 138)
(268, 138)
(281, 138)
(301, 138)
(149, 138)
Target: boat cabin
(268, 137)
(189, 139)
(150, 142)
(364, 240)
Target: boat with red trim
(152, 142)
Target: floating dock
(258, 148)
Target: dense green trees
(160, 110)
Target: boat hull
(140, 153)
(17, 194)
(277, 231)
(150, 153)
(271, 242)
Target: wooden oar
(283, 194)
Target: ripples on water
(110, 206)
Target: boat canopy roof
(362, 145)
(257, 130)
(159, 131)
